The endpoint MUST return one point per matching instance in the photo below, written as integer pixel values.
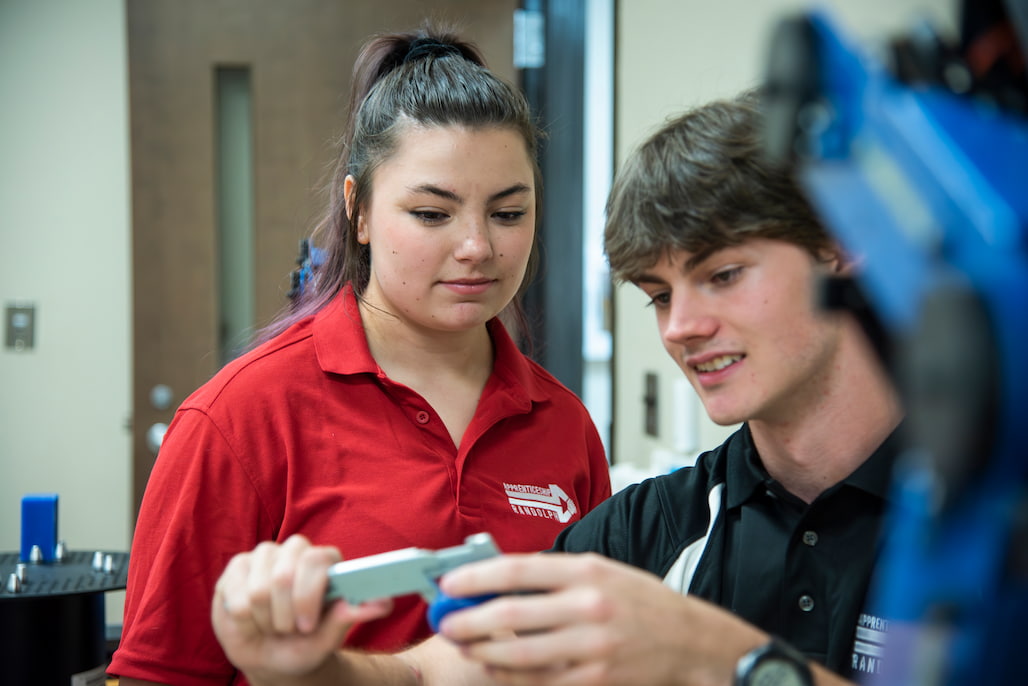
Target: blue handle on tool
(444, 605)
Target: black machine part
(948, 372)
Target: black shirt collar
(747, 476)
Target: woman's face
(450, 224)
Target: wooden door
(295, 58)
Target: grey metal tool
(399, 572)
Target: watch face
(775, 672)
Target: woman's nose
(475, 242)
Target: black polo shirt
(726, 531)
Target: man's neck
(811, 451)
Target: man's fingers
(504, 574)
(509, 615)
(567, 590)
(525, 572)
(550, 652)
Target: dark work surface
(72, 576)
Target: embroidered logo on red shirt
(539, 501)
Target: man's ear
(841, 263)
(349, 193)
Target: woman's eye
(510, 217)
(429, 216)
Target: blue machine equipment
(918, 162)
(308, 262)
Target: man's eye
(659, 299)
(726, 276)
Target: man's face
(743, 325)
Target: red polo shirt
(305, 434)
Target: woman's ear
(348, 188)
(349, 193)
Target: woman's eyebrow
(432, 189)
(516, 189)
(435, 190)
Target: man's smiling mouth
(718, 363)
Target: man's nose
(689, 318)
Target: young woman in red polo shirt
(390, 408)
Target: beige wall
(64, 246)
(673, 54)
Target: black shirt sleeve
(645, 525)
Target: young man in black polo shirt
(751, 567)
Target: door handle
(155, 436)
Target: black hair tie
(429, 47)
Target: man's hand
(268, 612)
(595, 621)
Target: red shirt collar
(342, 347)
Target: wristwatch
(775, 663)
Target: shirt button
(422, 417)
(810, 538)
(806, 603)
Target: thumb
(340, 616)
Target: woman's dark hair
(701, 183)
(428, 77)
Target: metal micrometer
(410, 570)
